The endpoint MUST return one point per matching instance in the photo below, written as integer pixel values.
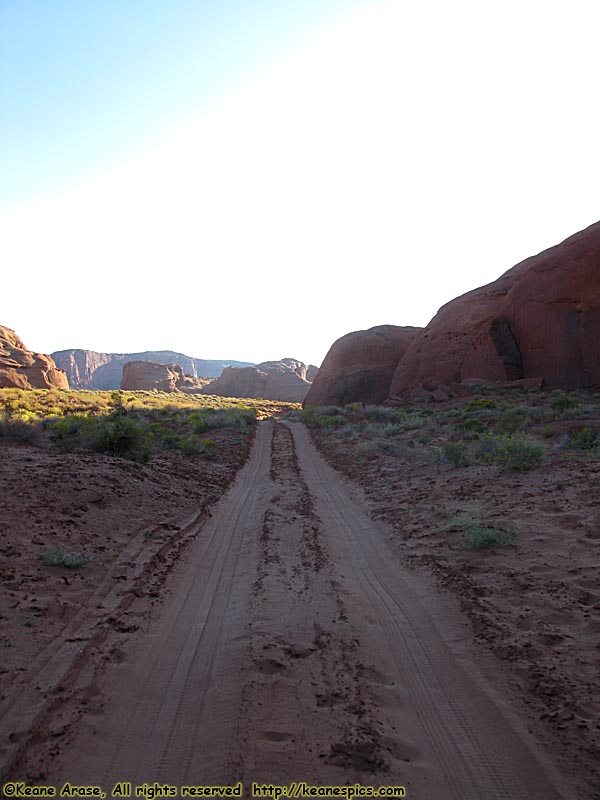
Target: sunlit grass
(43, 403)
(132, 425)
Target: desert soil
(290, 642)
(532, 606)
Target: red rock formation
(148, 376)
(21, 369)
(540, 320)
(359, 366)
(283, 380)
(88, 369)
(81, 366)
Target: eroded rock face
(22, 369)
(148, 376)
(88, 369)
(284, 380)
(359, 367)
(540, 320)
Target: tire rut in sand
(306, 656)
(476, 749)
(291, 646)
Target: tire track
(290, 646)
(479, 753)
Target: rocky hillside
(360, 366)
(537, 324)
(286, 380)
(23, 369)
(87, 369)
(147, 376)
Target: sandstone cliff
(147, 376)
(540, 320)
(284, 380)
(87, 369)
(22, 369)
(359, 367)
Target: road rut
(291, 646)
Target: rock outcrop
(22, 369)
(87, 369)
(284, 380)
(359, 367)
(539, 321)
(147, 376)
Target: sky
(252, 179)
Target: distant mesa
(537, 325)
(22, 369)
(87, 369)
(286, 380)
(148, 376)
(360, 366)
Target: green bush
(519, 453)
(317, 418)
(65, 431)
(208, 419)
(119, 436)
(392, 429)
(18, 430)
(562, 402)
(193, 445)
(472, 425)
(513, 420)
(482, 537)
(382, 414)
(456, 454)
(57, 557)
(478, 403)
(586, 438)
(353, 408)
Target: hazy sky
(252, 179)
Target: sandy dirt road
(291, 646)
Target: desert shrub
(519, 453)
(193, 445)
(472, 425)
(548, 431)
(208, 419)
(456, 454)
(65, 431)
(353, 408)
(317, 418)
(391, 429)
(382, 413)
(424, 436)
(329, 411)
(511, 421)
(475, 532)
(480, 537)
(57, 557)
(562, 402)
(412, 422)
(330, 421)
(18, 430)
(585, 438)
(170, 441)
(478, 403)
(119, 436)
